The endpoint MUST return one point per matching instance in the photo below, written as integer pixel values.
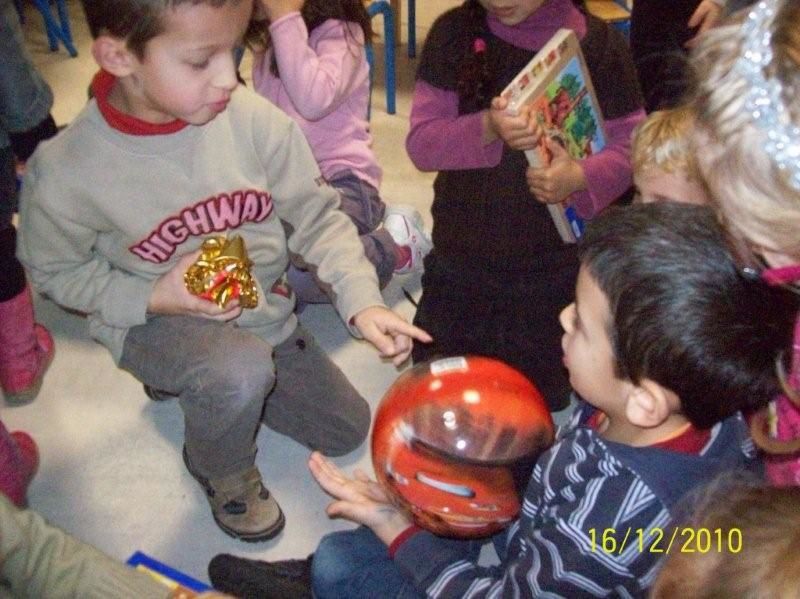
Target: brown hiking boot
(242, 507)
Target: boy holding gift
(115, 209)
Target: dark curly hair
(314, 13)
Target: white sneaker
(406, 227)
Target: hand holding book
(555, 88)
(560, 178)
(518, 129)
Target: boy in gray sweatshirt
(169, 152)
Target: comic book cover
(557, 83)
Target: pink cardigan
(324, 87)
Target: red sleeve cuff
(402, 538)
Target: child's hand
(170, 296)
(358, 499)
(556, 182)
(519, 131)
(275, 9)
(388, 332)
(705, 16)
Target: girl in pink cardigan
(311, 62)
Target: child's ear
(648, 404)
(113, 55)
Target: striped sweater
(581, 488)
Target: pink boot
(19, 460)
(26, 349)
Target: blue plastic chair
(382, 7)
(57, 31)
(412, 28)
(621, 22)
(624, 27)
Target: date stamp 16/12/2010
(659, 540)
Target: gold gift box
(222, 273)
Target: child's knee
(331, 569)
(246, 372)
(352, 563)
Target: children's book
(557, 82)
(181, 584)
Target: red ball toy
(448, 435)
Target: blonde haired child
(753, 554)
(663, 165)
(747, 102)
(758, 195)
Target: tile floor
(111, 471)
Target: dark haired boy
(666, 342)
(170, 151)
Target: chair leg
(49, 24)
(63, 17)
(391, 87)
(412, 29)
(624, 27)
(384, 8)
(371, 62)
(56, 32)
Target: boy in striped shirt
(666, 342)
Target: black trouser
(510, 316)
(12, 276)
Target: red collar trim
(689, 440)
(101, 86)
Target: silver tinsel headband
(763, 100)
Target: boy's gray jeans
(228, 380)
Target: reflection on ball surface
(454, 441)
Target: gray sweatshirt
(104, 213)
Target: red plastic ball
(448, 436)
